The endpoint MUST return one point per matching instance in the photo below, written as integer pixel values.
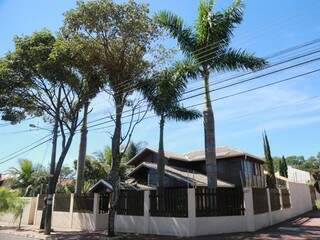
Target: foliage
(271, 180)
(283, 168)
(318, 204)
(10, 201)
(207, 46)
(311, 164)
(28, 179)
(163, 91)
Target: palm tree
(207, 44)
(27, 178)
(163, 92)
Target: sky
(288, 112)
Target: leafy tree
(13, 104)
(271, 179)
(122, 34)
(55, 90)
(207, 44)
(81, 56)
(163, 92)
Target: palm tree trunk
(82, 151)
(209, 133)
(160, 162)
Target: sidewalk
(305, 227)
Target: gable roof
(193, 178)
(222, 152)
(101, 185)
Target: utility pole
(82, 151)
(51, 188)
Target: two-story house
(235, 168)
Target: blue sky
(289, 112)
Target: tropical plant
(207, 45)
(271, 179)
(163, 92)
(27, 178)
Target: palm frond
(175, 26)
(180, 113)
(202, 23)
(187, 68)
(238, 59)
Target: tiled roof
(222, 152)
(194, 178)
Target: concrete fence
(191, 225)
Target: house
(234, 167)
(299, 176)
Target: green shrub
(318, 204)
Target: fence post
(248, 206)
(96, 200)
(269, 207)
(192, 212)
(146, 213)
(280, 197)
(71, 210)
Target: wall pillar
(36, 211)
(96, 202)
(71, 210)
(248, 206)
(269, 208)
(146, 213)
(280, 196)
(192, 212)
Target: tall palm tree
(207, 44)
(163, 92)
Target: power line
(248, 73)
(237, 93)
(220, 88)
(23, 152)
(191, 106)
(208, 48)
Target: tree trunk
(160, 162)
(209, 133)
(82, 151)
(113, 177)
(48, 212)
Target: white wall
(190, 226)
(298, 176)
(218, 225)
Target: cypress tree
(271, 180)
(284, 167)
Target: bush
(10, 202)
(318, 204)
